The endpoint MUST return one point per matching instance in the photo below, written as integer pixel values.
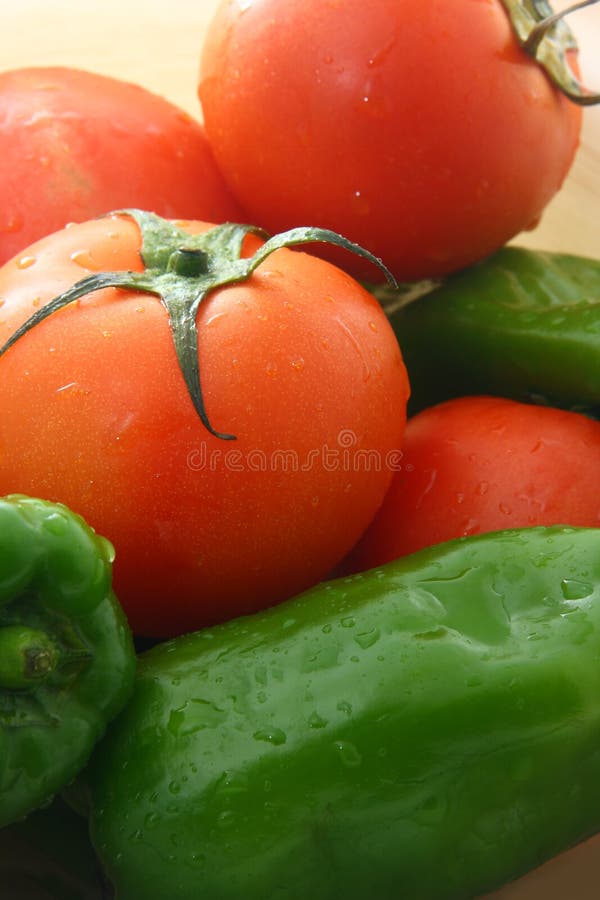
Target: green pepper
(429, 729)
(66, 655)
(48, 856)
(522, 324)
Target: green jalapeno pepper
(429, 729)
(523, 324)
(66, 656)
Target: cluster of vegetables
(349, 498)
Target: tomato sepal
(182, 269)
(547, 38)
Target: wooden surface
(157, 43)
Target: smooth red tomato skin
(480, 464)
(418, 129)
(76, 145)
(299, 363)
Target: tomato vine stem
(546, 37)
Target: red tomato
(478, 464)
(419, 129)
(76, 145)
(299, 362)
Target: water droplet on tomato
(66, 387)
(84, 259)
(12, 224)
(360, 204)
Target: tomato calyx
(182, 269)
(546, 37)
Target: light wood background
(156, 43)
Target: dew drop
(84, 259)
(360, 204)
(55, 524)
(348, 754)
(12, 224)
(274, 736)
(575, 590)
(226, 819)
(366, 639)
(151, 820)
(316, 721)
(232, 783)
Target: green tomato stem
(182, 269)
(545, 36)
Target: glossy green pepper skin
(430, 729)
(523, 324)
(66, 655)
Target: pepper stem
(27, 657)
